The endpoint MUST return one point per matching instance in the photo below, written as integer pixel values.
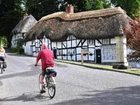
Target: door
(55, 53)
(98, 55)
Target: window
(106, 41)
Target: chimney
(69, 8)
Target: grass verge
(133, 71)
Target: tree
(3, 41)
(85, 5)
(133, 37)
(39, 8)
(10, 14)
(95, 4)
(132, 7)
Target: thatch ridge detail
(84, 15)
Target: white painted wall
(27, 48)
(108, 53)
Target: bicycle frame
(49, 84)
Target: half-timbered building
(91, 36)
(20, 30)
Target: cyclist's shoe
(42, 91)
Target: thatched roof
(25, 24)
(104, 23)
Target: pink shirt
(47, 58)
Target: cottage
(96, 36)
(24, 25)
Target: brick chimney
(69, 8)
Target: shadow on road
(25, 97)
(33, 71)
(117, 96)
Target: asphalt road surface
(76, 85)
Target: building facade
(20, 30)
(90, 36)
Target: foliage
(132, 7)
(133, 37)
(84, 5)
(96, 4)
(20, 42)
(10, 14)
(3, 42)
(14, 50)
(39, 8)
(19, 48)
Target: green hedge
(17, 50)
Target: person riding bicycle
(3, 56)
(47, 60)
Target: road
(76, 85)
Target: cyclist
(47, 60)
(3, 56)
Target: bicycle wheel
(51, 87)
(1, 68)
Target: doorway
(98, 55)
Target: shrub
(119, 66)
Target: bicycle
(49, 82)
(2, 67)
